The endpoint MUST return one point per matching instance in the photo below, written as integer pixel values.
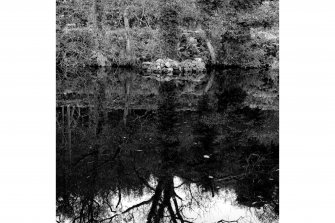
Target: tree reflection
(127, 173)
(164, 197)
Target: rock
(175, 65)
(159, 61)
(146, 65)
(177, 71)
(187, 69)
(192, 40)
(169, 67)
(199, 60)
(157, 70)
(164, 70)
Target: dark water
(136, 149)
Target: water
(132, 148)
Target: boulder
(146, 65)
(187, 69)
(199, 60)
(159, 61)
(192, 40)
(175, 64)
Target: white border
(27, 119)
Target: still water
(137, 148)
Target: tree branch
(225, 221)
(143, 180)
(128, 209)
(119, 196)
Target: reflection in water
(131, 149)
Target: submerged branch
(172, 214)
(177, 210)
(232, 177)
(225, 221)
(128, 209)
(137, 205)
(120, 196)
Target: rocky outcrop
(171, 67)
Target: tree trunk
(127, 98)
(126, 25)
(97, 19)
(69, 132)
(211, 50)
(210, 82)
(208, 43)
(100, 101)
(63, 125)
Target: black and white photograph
(167, 111)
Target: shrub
(74, 47)
(245, 48)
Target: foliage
(169, 28)
(243, 33)
(142, 13)
(251, 35)
(192, 45)
(74, 47)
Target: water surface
(131, 148)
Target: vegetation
(128, 32)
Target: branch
(176, 195)
(180, 185)
(108, 204)
(138, 205)
(112, 159)
(143, 180)
(128, 209)
(232, 177)
(83, 157)
(225, 221)
(172, 214)
(177, 210)
(119, 196)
